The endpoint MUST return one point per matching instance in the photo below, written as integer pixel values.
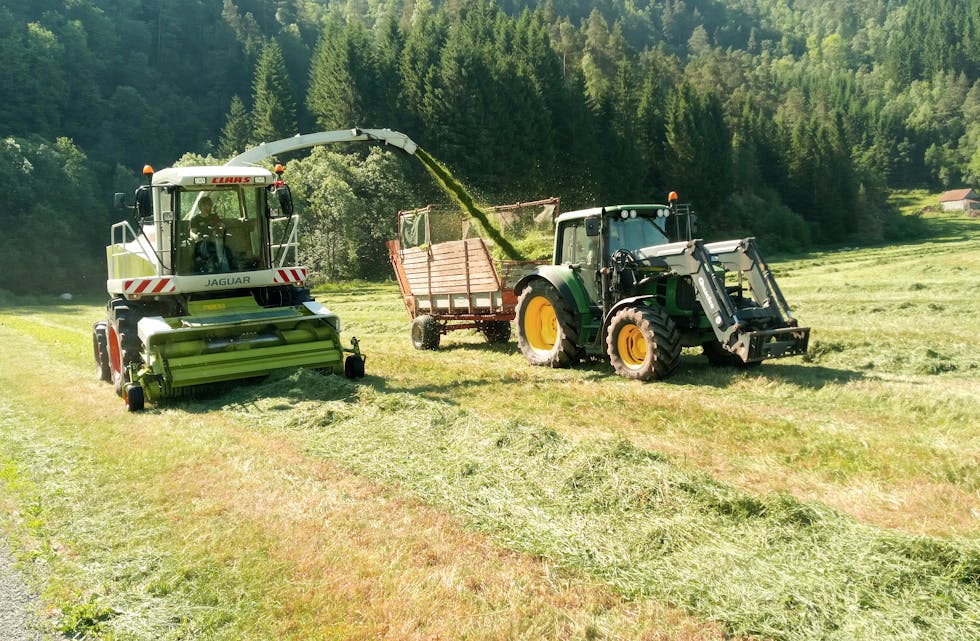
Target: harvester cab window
(220, 231)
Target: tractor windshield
(221, 230)
(634, 233)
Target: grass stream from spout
(462, 197)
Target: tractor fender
(626, 302)
(566, 281)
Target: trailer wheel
(546, 331)
(100, 347)
(496, 331)
(354, 366)
(643, 343)
(135, 400)
(425, 332)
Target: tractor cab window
(634, 233)
(578, 247)
(221, 230)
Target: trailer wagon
(448, 277)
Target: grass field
(463, 494)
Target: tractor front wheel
(546, 331)
(643, 343)
(425, 332)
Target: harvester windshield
(221, 230)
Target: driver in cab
(208, 233)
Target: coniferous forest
(785, 119)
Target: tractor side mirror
(144, 202)
(285, 200)
(593, 226)
(119, 200)
(692, 225)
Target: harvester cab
(630, 282)
(204, 285)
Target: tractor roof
(212, 176)
(595, 211)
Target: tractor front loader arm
(743, 256)
(690, 258)
(753, 330)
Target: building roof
(957, 194)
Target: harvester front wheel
(643, 343)
(123, 345)
(100, 343)
(546, 331)
(425, 332)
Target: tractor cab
(616, 240)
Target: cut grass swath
(762, 565)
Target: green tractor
(630, 283)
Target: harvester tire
(128, 346)
(425, 332)
(495, 331)
(135, 400)
(100, 347)
(643, 343)
(546, 331)
(354, 366)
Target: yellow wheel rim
(540, 324)
(632, 346)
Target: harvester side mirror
(285, 200)
(144, 202)
(693, 225)
(593, 226)
(119, 200)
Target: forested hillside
(785, 119)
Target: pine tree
(237, 130)
(273, 105)
(343, 77)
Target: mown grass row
(765, 565)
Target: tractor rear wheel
(546, 331)
(425, 332)
(495, 331)
(643, 343)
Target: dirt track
(15, 599)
